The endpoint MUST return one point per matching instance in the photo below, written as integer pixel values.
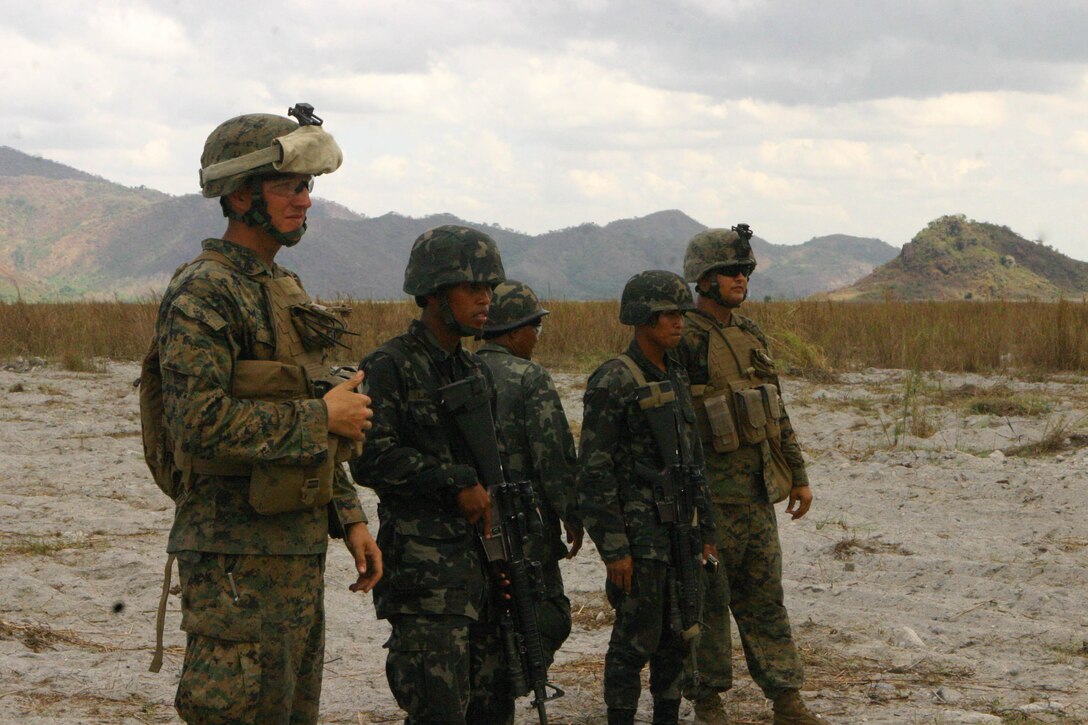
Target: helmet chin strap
(257, 216)
(451, 322)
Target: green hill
(954, 258)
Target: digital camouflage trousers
(749, 582)
(255, 645)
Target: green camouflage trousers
(642, 634)
(255, 644)
(553, 611)
(749, 583)
(446, 669)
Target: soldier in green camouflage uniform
(445, 662)
(618, 505)
(252, 585)
(753, 460)
(539, 445)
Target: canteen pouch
(276, 488)
(751, 416)
(772, 407)
(777, 474)
(723, 433)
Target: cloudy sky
(869, 117)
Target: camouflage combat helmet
(256, 145)
(716, 248)
(514, 305)
(653, 291)
(451, 254)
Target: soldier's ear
(240, 200)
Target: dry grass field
(807, 337)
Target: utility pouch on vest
(772, 408)
(719, 418)
(276, 488)
(751, 416)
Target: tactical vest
(740, 403)
(288, 375)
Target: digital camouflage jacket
(539, 445)
(732, 477)
(417, 462)
(210, 317)
(616, 504)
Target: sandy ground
(934, 581)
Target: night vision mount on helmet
(715, 249)
(249, 148)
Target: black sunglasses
(733, 270)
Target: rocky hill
(955, 258)
(65, 234)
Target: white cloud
(137, 33)
(866, 119)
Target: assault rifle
(674, 497)
(515, 519)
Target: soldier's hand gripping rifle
(674, 496)
(515, 519)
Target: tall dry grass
(806, 336)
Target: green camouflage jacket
(731, 475)
(539, 445)
(211, 316)
(417, 463)
(616, 504)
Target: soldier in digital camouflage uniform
(252, 584)
(617, 498)
(753, 461)
(539, 445)
(445, 662)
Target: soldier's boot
(709, 711)
(619, 716)
(666, 712)
(790, 709)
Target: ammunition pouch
(751, 416)
(714, 419)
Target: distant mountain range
(66, 234)
(955, 258)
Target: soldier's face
(733, 287)
(469, 303)
(668, 328)
(287, 199)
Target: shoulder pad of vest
(748, 325)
